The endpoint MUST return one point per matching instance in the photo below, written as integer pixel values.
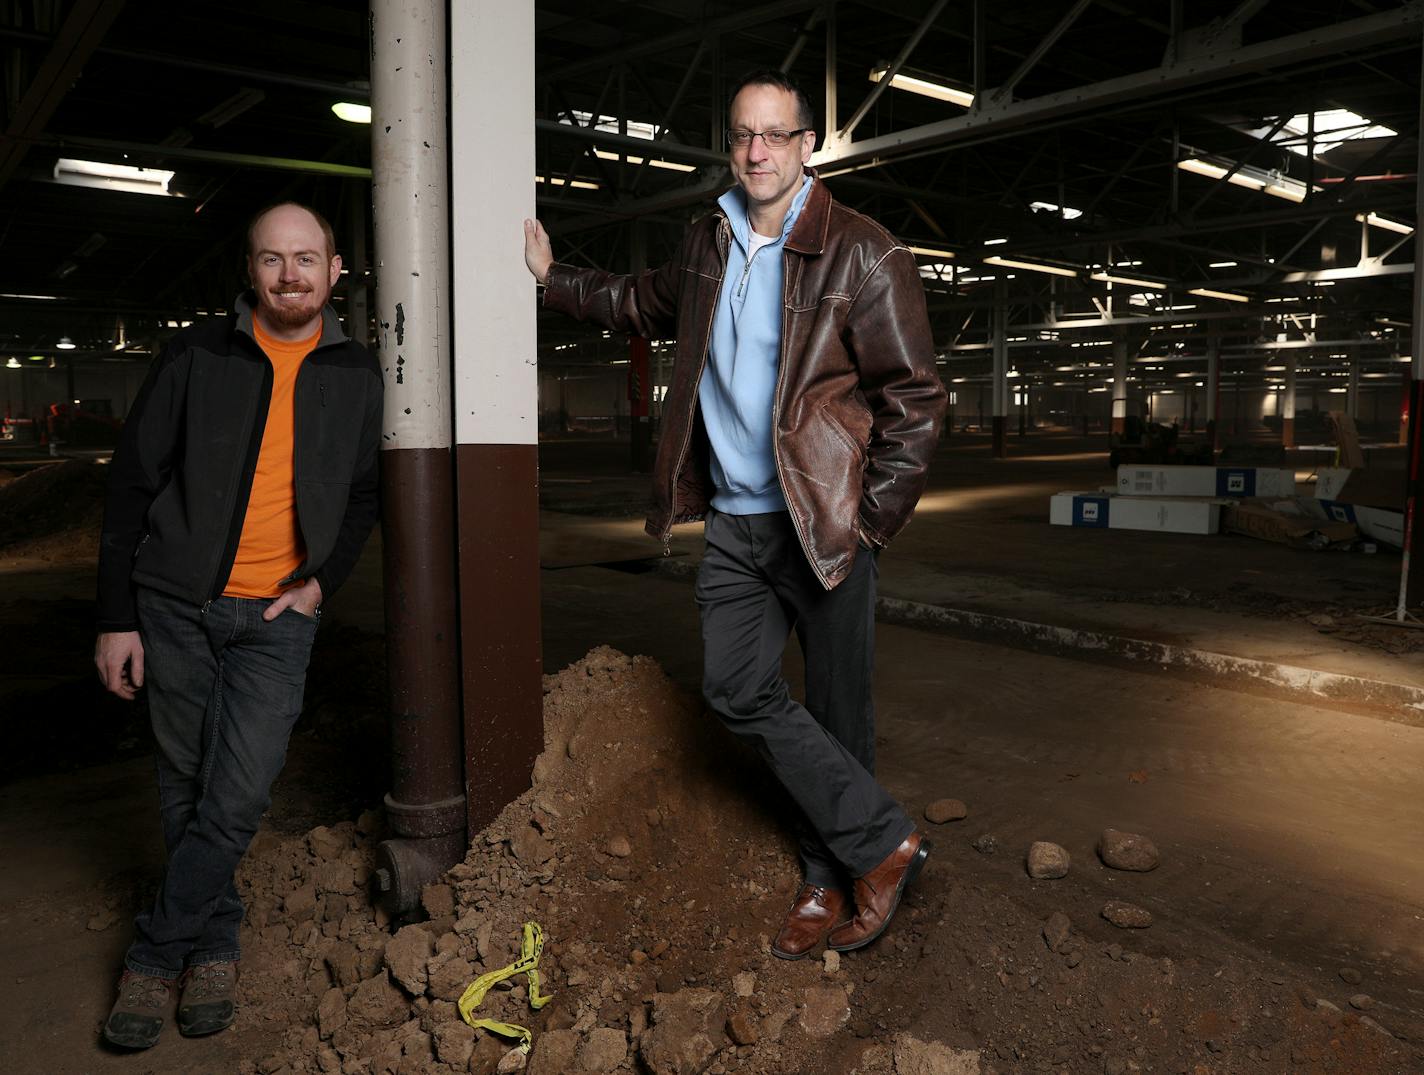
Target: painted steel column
(1288, 403)
(999, 339)
(496, 398)
(640, 430)
(426, 805)
(1352, 392)
(1213, 385)
(1119, 385)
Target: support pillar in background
(1352, 391)
(640, 428)
(426, 805)
(999, 339)
(1119, 383)
(1213, 387)
(496, 399)
(358, 315)
(1288, 403)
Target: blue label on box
(1090, 511)
(1340, 513)
(1235, 482)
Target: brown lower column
(498, 498)
(1287, 432)
(1001, 445)
(426, 805)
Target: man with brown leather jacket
(802, 414)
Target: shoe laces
(145, 991)
(206, 980)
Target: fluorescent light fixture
(925, 86)
(1272, 183)
(65, 344)
(1133, 281)
(39, 358)
(31, 298)
(559, 181)
(1229, 296)
(672, 166)
(1032, 266)
(931, 252)
(1375, 220)
(1222, 265)
(122, 177)
(352, 112)
(995, 242)
(1067, 211)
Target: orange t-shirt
(271, 545)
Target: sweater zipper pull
(667, 544)
(746, 271)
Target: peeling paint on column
(400, 324)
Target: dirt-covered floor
(1284, 914)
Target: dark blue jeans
(224, 689)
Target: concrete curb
(1304, 684)
(1308, 685)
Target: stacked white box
(1204, 481)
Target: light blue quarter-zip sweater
(739, 382)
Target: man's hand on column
(119, 657)
(538, 252)
(305, 598)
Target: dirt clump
(650, 852)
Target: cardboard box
(1167, 515)
(1329, 481)
(1286, 524)
(1205, 481)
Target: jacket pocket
(859, 442)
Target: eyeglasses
(772, 139)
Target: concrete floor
(1291, 826)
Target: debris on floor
(650, 851)
(53, 512)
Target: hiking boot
(137, 1017)
(207, 1002)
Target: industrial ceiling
(1239, 170)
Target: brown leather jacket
(858, 400)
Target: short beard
(287, 316)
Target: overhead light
(122, 177)
(1114, 278)
(924, 85)
(38, 358)
(12, 363)
(352, 112)
(931, 252)
(1032, 266)
(31, 298)
(1375, 220)
(994, 242)
(1222, 265)
(65, 344)
(1272, 183)
(559, 181)
(672, 166)
(1230, 296)
(1067, 211)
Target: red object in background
(638, 388)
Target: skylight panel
(1333, 128)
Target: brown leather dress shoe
(878, 893)
(815, 912)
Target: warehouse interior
(1139, 226)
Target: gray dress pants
(753, 586)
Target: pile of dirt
(649, 853)
(54, 512)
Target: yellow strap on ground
(530, 949)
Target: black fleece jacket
(182, 473)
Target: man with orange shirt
(239, 498)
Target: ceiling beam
(83, 29)
(1388, 29)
